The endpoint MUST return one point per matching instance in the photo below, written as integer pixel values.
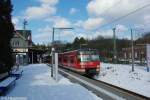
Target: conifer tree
(6, 33)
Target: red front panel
(90, 64)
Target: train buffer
(7, 84)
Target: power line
(132, 12)
(107, 10)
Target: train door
(69, 61)
(72, 61)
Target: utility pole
(53, 51)
(132, 50)
(114, 49)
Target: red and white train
(84, 61)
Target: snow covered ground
(122, 76)
(36, 84)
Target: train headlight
(98, 66)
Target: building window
(130, 55)
(136, 54)
(125, 55)
(16, 43)
(13, 43)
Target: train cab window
(95, 57)
(85, 58)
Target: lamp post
(53, 48)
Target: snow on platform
(122, 76)
(7, 81)
(17, 71)
(36, 84)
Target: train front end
(89, 61)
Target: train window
(65, 59)
(92, 52)
(85, 58)
(72, 61)
(95, 57)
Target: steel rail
(104, 90)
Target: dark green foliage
(68, 46)
(104, 45)
(82, 40)
(145, 39)
(123, 43)
(78, 42)
(6, 33)
(40, 47)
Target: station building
(139, 54)
(21, 43)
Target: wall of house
(20, 44)
(139, 54)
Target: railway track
(104, 90)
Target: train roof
(87, 49)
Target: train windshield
(85, 58)
(89, 56)
(94, 52)
(95, 57)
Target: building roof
(24, 34)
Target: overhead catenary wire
(107, 10)
(126, 15)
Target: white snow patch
(37, 84)
(122, 76)
(7, 81)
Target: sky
(88, 18)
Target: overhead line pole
(53, 49)
(52, 52)
(132, 50)
(115, 50)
